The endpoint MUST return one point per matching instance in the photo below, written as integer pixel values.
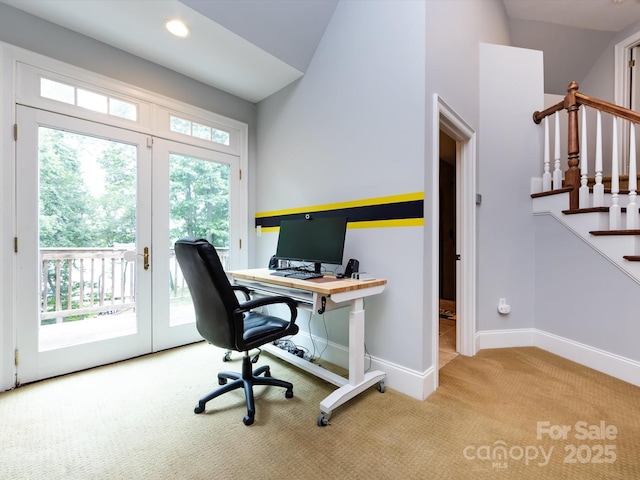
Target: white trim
(446, 119)
(621, 85)
(621, 80)
(611, 364)
(12, 89)
(601, 360)
(7, 220)
(418, 385)
(524, 337)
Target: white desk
(324, 294)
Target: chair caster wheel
(288, 394)
(247, 420)
(222, 381)
(226, 357)
(323, 421)
(198, 409)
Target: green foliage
(115, 220)
(88, 199)
(199, 200)
(93, 204)
(63, 194)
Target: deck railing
(80, 282)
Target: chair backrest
(213, 298)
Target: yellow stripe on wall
(404, 210)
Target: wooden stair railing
(576, 177)
(576, 180)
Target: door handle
(130, 256)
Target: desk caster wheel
(247, 420)
(323, 421)
(381, 387)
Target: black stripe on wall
(387, 211)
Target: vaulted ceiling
(253, 48)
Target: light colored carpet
(135, 420)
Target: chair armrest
(263, 301)
(243, 289)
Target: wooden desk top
(327, 285)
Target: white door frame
(36, 364)
(447, 120)
(622, 86)
(164, 334)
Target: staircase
(603, 211)
(620, 246)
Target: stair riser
(613, 247)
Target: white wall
(599, 82)
(6, 234)
(511, 89)
(358, 125)
(575, 302)
(454, 30)
(31, 33)
(353, 128)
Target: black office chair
(225, 322)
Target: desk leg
(359, 381)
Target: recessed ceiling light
(177, 27)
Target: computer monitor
(317, 240)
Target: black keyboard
(299, 274)
(304, 275)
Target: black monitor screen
(318, 240)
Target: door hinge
(149, 142)
(15, 244)
(632, 63)
(240, 174)
(15, 132)
(16, 359)
(240, 243)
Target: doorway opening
(447, 350)
(456, 134)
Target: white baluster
(546, 176)
(632, 209)
(614, 209)
(598, 188)
(557, 173)
(584, 168)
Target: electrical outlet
(503, 307)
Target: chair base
(247, 379)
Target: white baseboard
(609, 363)
(420, 385)
(416, 384)
(600, 360)
(524, 337)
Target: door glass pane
(199, 208)
(87, 220)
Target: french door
(98, 210)
(194, 190)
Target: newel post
(572, 175)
